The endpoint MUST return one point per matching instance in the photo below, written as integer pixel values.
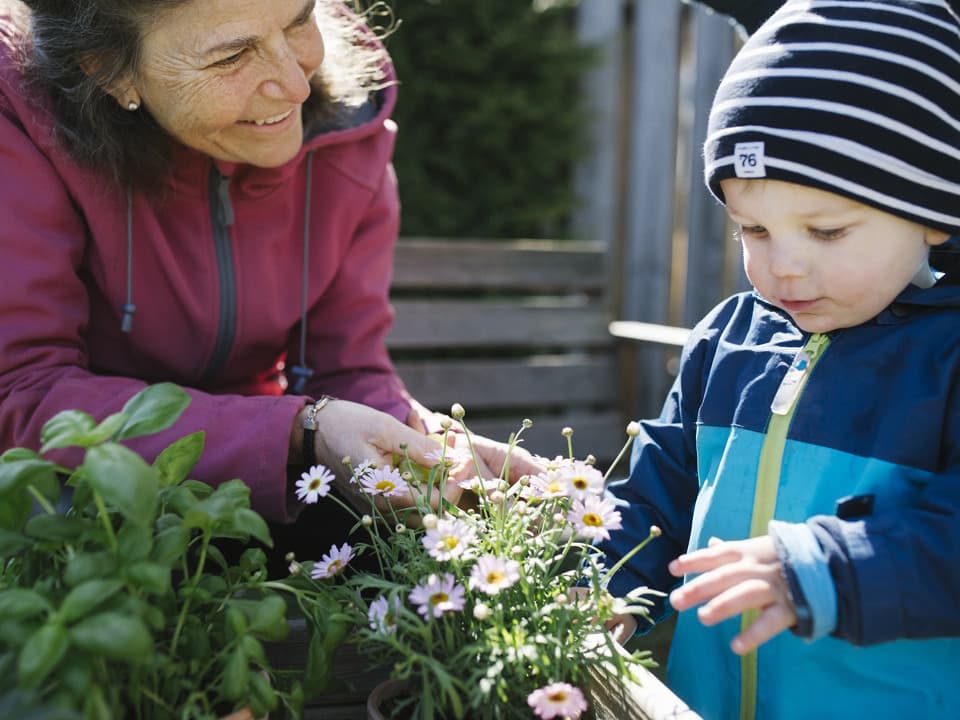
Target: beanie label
(748, 160)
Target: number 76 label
(748, 160)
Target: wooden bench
(511, 330)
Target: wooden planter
(611, 697)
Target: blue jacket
(869, 480)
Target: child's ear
(935, 237)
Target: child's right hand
(737, 576)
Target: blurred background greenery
(490, 115)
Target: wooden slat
(499, 264)
(481, 384)
(649, 332)
(464, 323)
(707, 240)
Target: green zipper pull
(793, 381)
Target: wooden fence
(516, 329)
(670, 254)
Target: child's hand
(737, 576)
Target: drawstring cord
(126, 324)
(302, 372)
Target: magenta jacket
(216, 276)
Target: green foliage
(123, 606)
(490, 116)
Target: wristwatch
(310, 430)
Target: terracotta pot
(241, 714)
(384, 691)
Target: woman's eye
(229, 60)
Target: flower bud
(481, 611)
(527, 423)
(516, 551)
(590, 460)
(497, 496)
(346, 460)
(290, 557)
(558, 518)
(655, 531)
(633, 428)
(406, 475)
(446, 423)
(366, 521)
(520, 508)
(561, 599)
(400, 527)
(457, 412)
(567, 432)
(430, 521)
(295, 568)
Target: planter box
(611, 697)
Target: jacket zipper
(221, 218)
(768, 479)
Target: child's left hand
(737, 576)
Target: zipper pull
(793, 381)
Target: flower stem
(623, 561)
(186, 603)
(618, 458)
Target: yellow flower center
(554, 487)
(385, 486)
(334, 566)
(495, 577)
(592, 519)
(451, 541)
(557, 697)
(314, 484)
(439, 597)
(580, 483)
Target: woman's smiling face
(229, 77)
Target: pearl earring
(132, 105)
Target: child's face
(829, 261)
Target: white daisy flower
(382, 481)
(582, 479)
(314, 484)
(492, 574)
(333, 563)
(436, 595)
(594, 517)
(383, 618)
(449, 539)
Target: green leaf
(215, 555)
(268, 617)
(115, 636)
(153, 409)
(89, 566)
(134, 543)
(59, 528)
(40, 655)
(235, 676)
(17, 474)
(170, 545)
(18, 453)
(151, 577)
(251, 523)
(11, 543)
(68, 428)
(264, 696)
(124, 481)
(20, 603)
(319, 670)
(87, 597)
(14, 511)
(179, 458)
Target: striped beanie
(856, 97)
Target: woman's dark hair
(76, 49)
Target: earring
(133, 105)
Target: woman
(200, 191)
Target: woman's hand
(737, 576)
